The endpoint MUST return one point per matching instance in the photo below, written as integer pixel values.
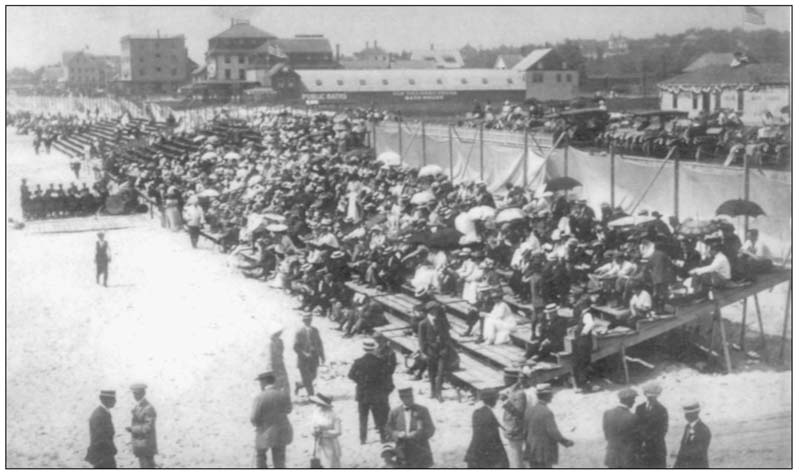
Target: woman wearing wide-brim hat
(327, 428)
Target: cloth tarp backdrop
(702, 187)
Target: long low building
(429, 90)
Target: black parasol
(562, 183)
(739, 207)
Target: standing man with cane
(102, 256)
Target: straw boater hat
(691, 406)
(552, 307)
(652, 390)
(138, 386)
(369, 345)
(108, 394)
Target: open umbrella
(483, 212)
(562, 183)
(698, 227)
(212, 140)
(430, 170)
(274, 217)
(389, 158)
(465, 224)
(209, 156)
(509, 215)
(423, 197)
(739, 207)
(199, 138)
(209, 193)
(232, 156)
(631, 221)
(277, 227)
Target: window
(141, 72)
(569, 78)
(158, 55)
(158, 69)
(227, 74)
(674, 100)
(141, 59)
(411, 81)
(449, 59)
(485, 81)
(242, 74)
(558, 77)
(242, 59)
(509, 81)
(318, 82)
(536, 77)
(740, 100)
(227, 59)
(385, 82)
(694, 101)
(438, 80)
(157, 45)
(463, 80)
(174, 71)
(279, 84)
(340, 82)
(362, 82)
(289, 83)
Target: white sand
(195, 331)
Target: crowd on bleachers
(59, 202)
(304, 205)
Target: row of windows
(706, 100)
(242, 59)
(242, 74)
(158, 70)
(411, 81)
(538, 77)
(158, 56)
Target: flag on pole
(754, 16)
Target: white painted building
(751, 89)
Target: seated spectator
(718, 273)
(500, 322)
(641, 304)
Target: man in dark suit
(541, 432)
(619, 427)
(433, 338)
(269, 417)
(102, 450)
(486, 448)
(143, 428)
(310, 353)
(368, 372)
(662, 273)
(693, 452)
(652, 420)
(410, 426)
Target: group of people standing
(102, 450)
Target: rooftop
(533, 57)
(718, 75)
(244, 30)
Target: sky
(36, 35)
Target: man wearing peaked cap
(410, 426)
(652, 419)
(373, 385)
(143, 428)
(619, 427)
(693, 452)
(101, 452)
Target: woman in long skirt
(327, 428)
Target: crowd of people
(59, 202)
(302, 204)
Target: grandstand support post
(624, 360)
(424, 152)
(746, 191)
(525, 159)
(744, 324)
(400, 140)
(450, 148)
(566, 157)
(763, 342)
(787, 314)
(676, 190)
(723, 337)
(481, 147)
(613, 175)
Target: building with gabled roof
(442, 59)
(547, 76)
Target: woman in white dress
(327, 428)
